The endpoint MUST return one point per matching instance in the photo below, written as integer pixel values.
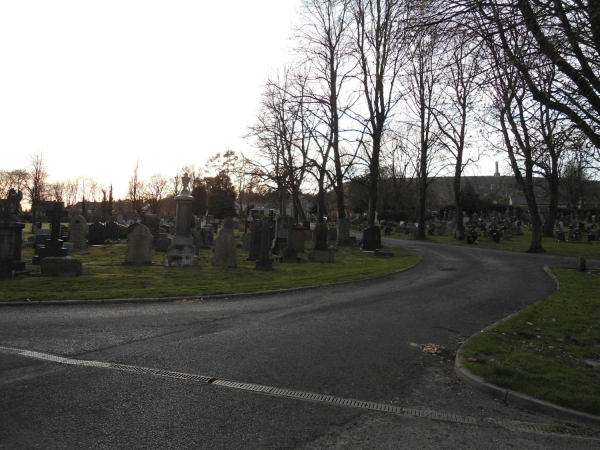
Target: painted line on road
(529, 427)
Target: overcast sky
(97, 85)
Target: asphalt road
(360, 340)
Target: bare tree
(155, 192)
(57, 191)
(454, 113)
(424, 77)
(135, 192)
(515, 107)
(37, 187)
(13, 179)
(323, 38)
(282, 137)
(379, 30)
(564, 35)
(71, 191)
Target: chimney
(496, 174)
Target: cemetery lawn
(105, 276)
(521, 244)
(550, 350)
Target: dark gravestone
(378, 244)
(256, 240)
(306, 224)
(112, 231)
(320, 252)
(263, 262)
(52, 247)
(298, 237)
(343, 231)
(53, 255)
(369, 239)
(97, 234)
(320, 237)
(123, 232)
(11, 236)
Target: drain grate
(311, 396)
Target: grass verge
(105, 276)
(521, 244)
(550, 350)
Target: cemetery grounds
(550, 350)
(106, 277)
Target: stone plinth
(325, 256)
(181, 253)
(61, 267)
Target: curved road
(361, 341)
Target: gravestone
(247, 242)
(279, 238)
(112, 231)
(97, 233)
(52, 257)
(256, 231)
(139, 247)
(289, 253)
(332, 235)
(206, 235)
(182, 252)
(320, 252)
(61, 267)
(263, 261)
(77, 230)
(320, 237)
(11, 236)
(343, 231)
(298, 238)
(441, 230)
(224, 252)
(369, 240)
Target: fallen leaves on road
(432, 349)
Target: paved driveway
(361, 341)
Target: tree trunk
(553, 183)
(460, 224)
(374, 179)
(339, 179)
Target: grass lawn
(105, 276)
(550, 350)
(521, 244)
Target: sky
(97, 85)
